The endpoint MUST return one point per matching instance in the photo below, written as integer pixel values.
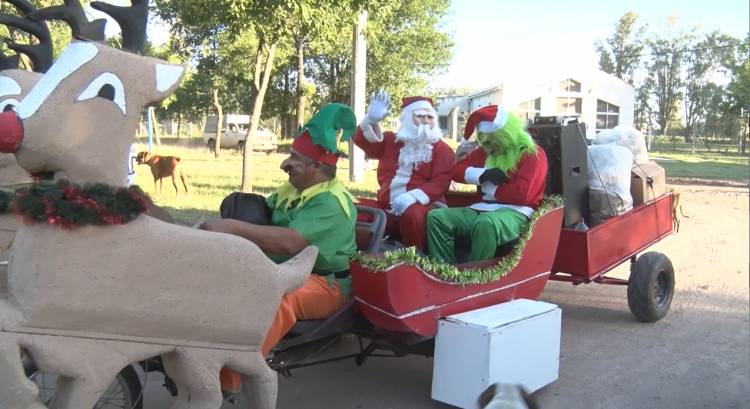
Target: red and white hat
(416, 103)
(305, 145)
(486, 119)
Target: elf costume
(511, 173)
(413, 166)
(325, 216)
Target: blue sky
(496, 39)
(501, 39)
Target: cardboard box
(641, 176)
(517, 342)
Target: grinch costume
(325, 216)
(414, 166)
(511, 173)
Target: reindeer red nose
(11, 132)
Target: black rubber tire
(241, 147)
(211, 145)
(651, 287)
(127, 379)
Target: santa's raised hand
(378, 108)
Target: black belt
(337, 274)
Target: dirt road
(696, 357)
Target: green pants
(487, 231)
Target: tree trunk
(219, 122)
(179, 124)
(332, 84)
(255, 117)
(692, 141)
(299, 44)
(286, 128)
(155, 125)
(744, 132)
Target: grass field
(718, 166)
(210, 179)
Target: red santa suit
(413, 161)
(523, 191)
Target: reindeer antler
(8, 62)
(72, 14)
(41, 53)
(132, 21)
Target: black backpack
(247, 207)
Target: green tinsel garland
(449, 272)
(5, 199)
(69, 205)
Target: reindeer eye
(107, 92)
(107, 86)
(9, 104)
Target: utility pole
(359, 76)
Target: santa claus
(414, 168)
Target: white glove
(401, 203)
(378, 108)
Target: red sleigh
(405, 298)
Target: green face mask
(490, 145)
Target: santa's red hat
(416, 102)
(486, 120)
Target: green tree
(715, 96)
(620, 54)
(263, 25)
(314, 22)
(738, 90)
(664, 81)
(406, 46)
(702, 61)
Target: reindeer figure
(15, 83)
(85, 302)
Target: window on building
(529, 109)
(443, 121)
(607, 115)
(569, 106)
(570, 85)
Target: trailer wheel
(651, 287)
(211, 145)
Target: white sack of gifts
(628, 137)
(609, 171)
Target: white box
(517, 342)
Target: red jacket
(431, 178)
(526, 183)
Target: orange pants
(314, 300)
(409, 227)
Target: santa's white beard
(418, 141)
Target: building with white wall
(601, 100)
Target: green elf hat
(318, 138)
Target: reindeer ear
(168, 78)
